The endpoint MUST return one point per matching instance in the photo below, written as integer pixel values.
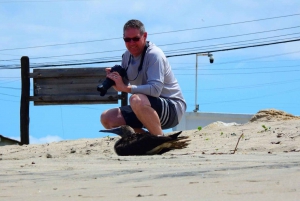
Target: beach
(258, 160)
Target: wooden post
(25, 94)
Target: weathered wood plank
(67, 86)
(45, 103)
(74, 98)
(70, 80)
(68, 72)
(78, 99)
(74, 89)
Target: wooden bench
(61, 86)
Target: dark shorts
(164, 108)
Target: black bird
(132, 143)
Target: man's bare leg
(145, 113)
(113, 118)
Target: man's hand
(119, 84)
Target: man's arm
(155, 71)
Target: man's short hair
(134, 24)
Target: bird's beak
(117, 131)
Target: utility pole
(211, 60)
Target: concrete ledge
(192, 120)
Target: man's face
(135, 47)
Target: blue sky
(239, 81)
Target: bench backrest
(60, 87)
(70, 86)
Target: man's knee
(104, 119)
(138, 101)
(112, 118)
(135, 99)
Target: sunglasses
(135, 39)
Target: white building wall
(192, 120)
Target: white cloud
(43, 140)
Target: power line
(10, 88)
(9, 81)
(223, 45)
(176, 55)
(254, 58)
(68, 55)
(208, 39)
(235, 48)
(243, 68)
(263, 61)
(238, 35)
(245, 73)
(9, 95)
(270, 18)
(9, 78)
(230, 44)
(182, 30)
(10, 100)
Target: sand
(264, 166)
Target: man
(156, 102)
